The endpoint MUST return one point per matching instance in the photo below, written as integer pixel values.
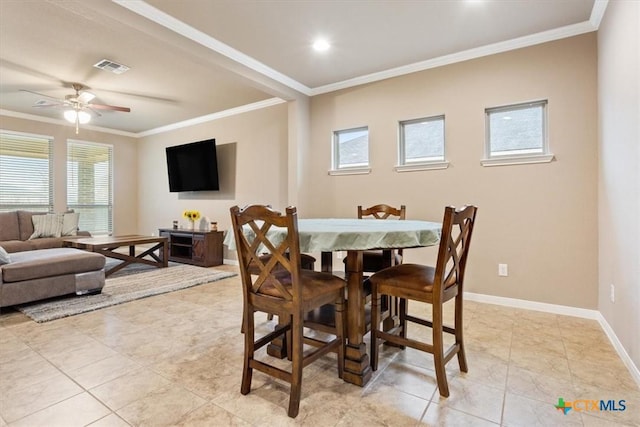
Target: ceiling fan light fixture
(321, 45)
(81, 116)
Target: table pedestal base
(277, 348)
(356, 365)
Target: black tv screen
(193, 167)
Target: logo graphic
(590, 405)
(563, 406)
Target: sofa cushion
(9, 226)
(4, 257)
(26, 223)
(46, 243)
(70, 223)
(50, 262)
(12, 246)
(48, 225)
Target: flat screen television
(193, 167)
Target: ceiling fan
(78, 107)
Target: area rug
(126, 285)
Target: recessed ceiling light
(321, 45)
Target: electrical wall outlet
(503, 270)
(612, 293)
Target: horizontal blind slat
(25, 172)
(89, 185)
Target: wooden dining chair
(283, 288)
(432, 285)
(307, 262)
(376, 260)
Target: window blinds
(26, 172)
(90, 185)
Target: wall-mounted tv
(193, 167)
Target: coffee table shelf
(202, 248)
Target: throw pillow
(70, 224)
(4, 256)
(48, 225)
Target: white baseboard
(532, 305)
(567, 311)
(635, 372)
(230, 261)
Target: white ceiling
(195, 58)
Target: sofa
(35, 265)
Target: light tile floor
(175, 360)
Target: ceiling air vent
(109, 65)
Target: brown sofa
(17, 226)
(42, 268)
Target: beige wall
(125, 162)
(539, 219)
(619, 176)
(257, 173)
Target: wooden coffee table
(106, 246)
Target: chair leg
(288, 337)
(459, 327)
(249, 337)
(296, 365)
(404, 306)
(340, 333)
(438, 351)
(375, 325)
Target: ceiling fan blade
(94, 112)
(47, 104)
(110, 107)
(85, 97)
(42, 94)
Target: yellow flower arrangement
(191, 215)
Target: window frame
(432, 163)
(110, 197)
(492, 158)
(47, 207)
(336, 169)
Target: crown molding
(65, 123)
(597, 13)
(214, 116)
(178, 125)
(144, 9)
(149, 12)
(492, 49)
(159, 17)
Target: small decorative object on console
(191, 216)
(204, 224)
(214, 226)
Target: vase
(191, 225)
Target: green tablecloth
(338, 234)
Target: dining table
(328, 235)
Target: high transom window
(351, 149)
(517, 134)
(421, 144)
